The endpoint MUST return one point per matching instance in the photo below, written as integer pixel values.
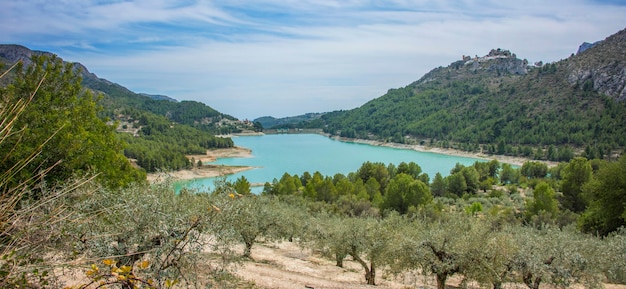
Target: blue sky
(287, 57)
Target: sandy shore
(518, 161)
(247, 133)
(207, 170)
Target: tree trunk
(532, 283)
(441, 280)
(247, 250)
(370, 274)
(372, 278)
(339, 260)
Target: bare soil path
(287, 266)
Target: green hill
(159, 131)
(500, 104)
(301, 121)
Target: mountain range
(497, 103)
(117, 97)
(501, 104)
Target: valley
(488, 172)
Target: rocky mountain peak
(498, 62)
(603, 66)
(13, 53)
(585, 46)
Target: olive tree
(246, 219)
(557, 257)
(327, 234)
(493, 263)
(613, 253)
(444, 247)
(147, 228)
(370, 242)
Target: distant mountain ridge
(159, 97)
(501, 104)
(119, 97)
(299, 120)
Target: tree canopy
(62, 117)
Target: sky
(282, 58)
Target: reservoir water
(276, 154)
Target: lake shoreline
(206, 170)
(517, 161)
(211, 170)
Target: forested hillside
(500, 104)
(157, 132)
(309, 120)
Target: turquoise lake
(275, 154)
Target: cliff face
(12, 53)
(603, 65)
(586, 45)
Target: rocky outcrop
(12, 53)
(602, 66)
(499, 61)
(585, 46)
(609, 80)
(509, 65)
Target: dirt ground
(287, 266)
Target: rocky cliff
(603, 66)
(12, 53)
(585, 46)
(498, 62)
